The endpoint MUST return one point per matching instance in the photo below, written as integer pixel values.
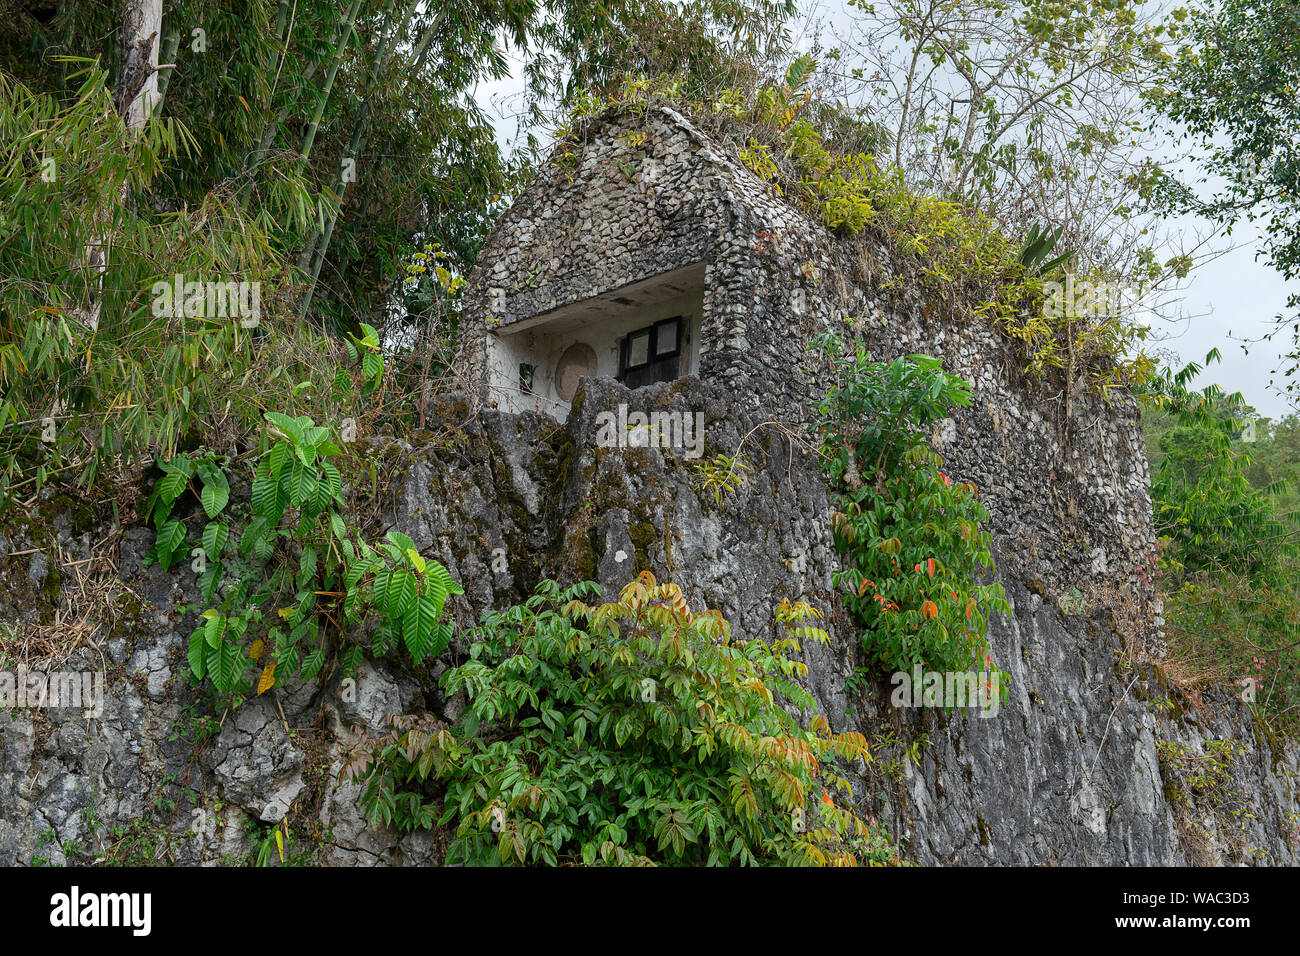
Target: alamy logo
(74, 909)
(665, 430)
(212, 300)
(37, 689)
(1081, 299)
(948, 689)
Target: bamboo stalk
(346, 35)
(316, 251)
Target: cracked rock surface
(1084, 763)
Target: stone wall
(1082, 765)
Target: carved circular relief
(578, 360)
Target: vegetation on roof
(943, 255)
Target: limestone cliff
(1087, 762)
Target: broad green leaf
(255, 531)
(277, 458)
(214, 496)
(196, 654)
(170, 486)
(302, 483)
(215, 534)
(420, 629)
(262, 499)
(314, 435)
(402, 541)
(288, 426)
(395, 591)
(170, 537)
(332, 480)
(209, 580)
(312, 663)
(306, 566)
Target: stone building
(649, 252)
(652, 256)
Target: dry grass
(86, 611)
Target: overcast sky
(1238, 295)
(1231, 295)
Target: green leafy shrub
(1208, 509)
(76, 399)
(1244, 631)
(915, 551)
(630, 733)
(295, 549)
(1229, 561)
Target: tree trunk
(135, 96)
(136, 93)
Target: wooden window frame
(652, 354)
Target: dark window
(652, 354)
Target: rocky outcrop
(1091, 760)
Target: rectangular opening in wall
(640, 333)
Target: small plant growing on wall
(720, 476)
(298, 582)
(915, 554)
